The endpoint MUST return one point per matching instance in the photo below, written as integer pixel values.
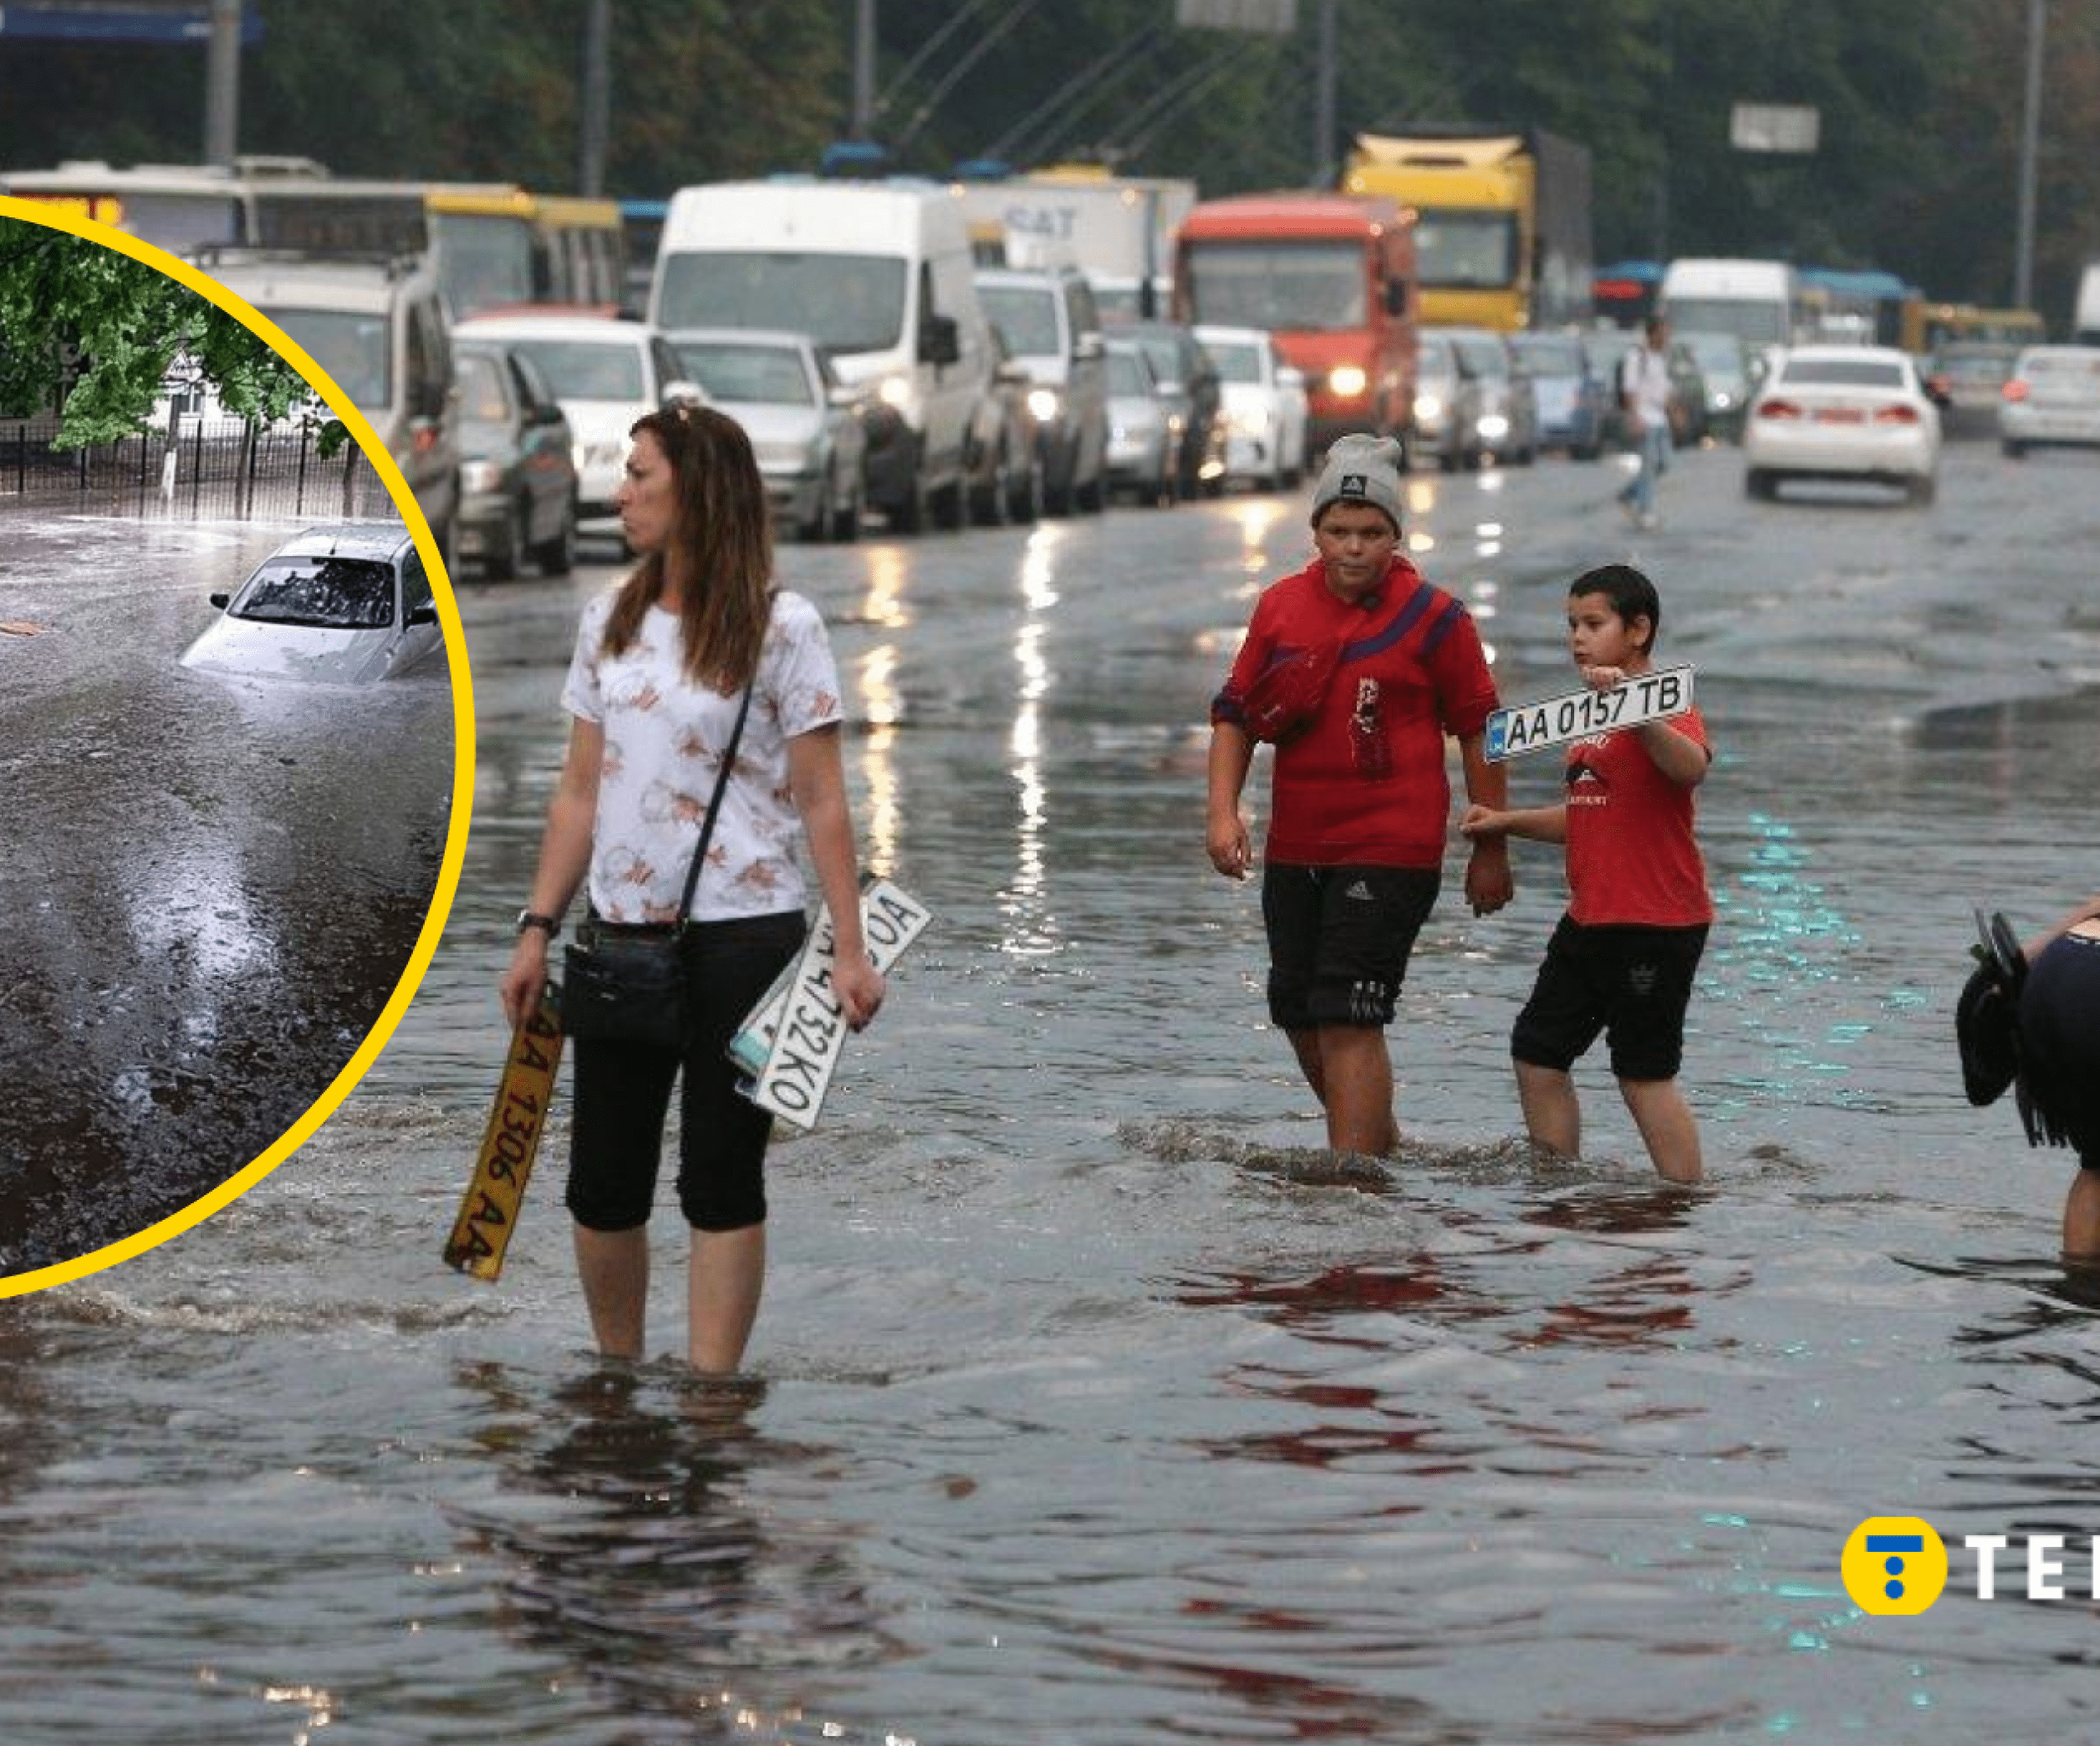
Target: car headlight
(1493, 425)
(896, 391)
(479, 476)
(1044, 405)
(1427, 406)
(1347, 380)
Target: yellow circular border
(360, 1063)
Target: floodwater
(1088, 1405)
(209, 887)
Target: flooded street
(210, 886)
(1086, 1407)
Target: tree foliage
(1919, 102)
(96, 333)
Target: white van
(2085, 321)
(1758, 301)
(879, 274)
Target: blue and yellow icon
(1894, 1564)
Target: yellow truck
(1502, 222)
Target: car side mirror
(1088, 347)
(1290, 376)
(939, 341)
(221, 600)
(425, 614)
(1395, 297)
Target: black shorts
(621, 1092)
(1339, 939)
(2060, 1040)
(1631, 983)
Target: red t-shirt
(1631, 857)
(1366, 782)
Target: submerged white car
(1842, 412)
(345, 604)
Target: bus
(1861, 307)
(1625, 293)
(495, 243)
(1928, 326)
(1332, 276)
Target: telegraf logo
(1900, 1564)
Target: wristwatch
(532, 918)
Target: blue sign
(138, 22)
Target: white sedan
(606, 372)
(1265, 405)
(2052, 396)
(338, 605)
(1843, 412)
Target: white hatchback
(345, 604)
(2052, 396)
(1843, 412)
(1265, 405)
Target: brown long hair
(725, 535)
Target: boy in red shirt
(1362, 804)
(1622, 959)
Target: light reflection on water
(1096, 1404)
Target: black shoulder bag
(626, 983)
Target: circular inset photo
(236, 724)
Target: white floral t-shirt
(664, 740)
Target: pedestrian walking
(2030, 1016)
(1356, 667)
(1622, 959)
(702, 696)
(1643, 397)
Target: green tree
(95, 333)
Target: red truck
(1332, 276)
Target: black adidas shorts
(1339, 939)
(1631, 983)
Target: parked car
(803, 423)
(1969, 378)
(1184, 372)
(1050, 326)
(379, 329)
(1729, 371)
(348, 603)
(2052, 396)
(1265, 405)
(1567, 395)
(1846, 413)
(1470, 403)
(1144, 426)
(606, 372)
(518, 480)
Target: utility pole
(222, 85)
(863, 93)
(1323, 99)
(2030, 150)
(595, 121)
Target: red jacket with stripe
(1366, 783)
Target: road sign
(1278, 17)
(1783, 127)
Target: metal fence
(203, 468)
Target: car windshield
(1027, 314)
(1721, 353)
(1236, 360)
(482, 400)
(336, 593)
(1546, 357)
(1990, 367)
(603, 369)
(766, 375)
(1126, 375)
(846, 303)
(353, 349)
(1759, 320)
(1841, 373)
(1293, 287)
(1457, 250)
(1482, 357)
